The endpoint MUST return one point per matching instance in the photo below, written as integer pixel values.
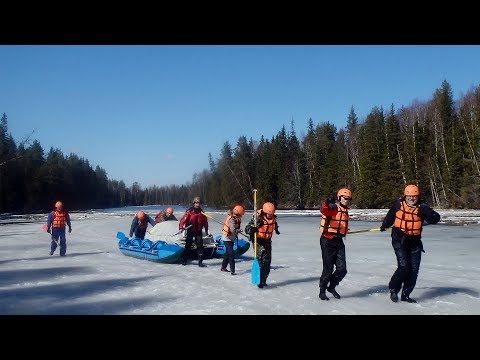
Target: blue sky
(152, 114)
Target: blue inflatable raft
(240, 247)
(158, 251)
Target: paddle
(362, 231)
(374, 229)
(45, 228)
(255, 265)
(181, 230)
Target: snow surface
(96, 278)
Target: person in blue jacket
(407, 216)
(56, 224)
(139, 225)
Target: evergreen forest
(434, 144)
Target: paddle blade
(255, 272)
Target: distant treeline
(434, 144)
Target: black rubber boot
(331, 290)
(393, 296)
(406, 298)
(184, 261)
(200, 262)
(322, 295)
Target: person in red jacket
(194, 216)
(56, 224)
(333, 228)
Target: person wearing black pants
(407, 215)
(264, 228)
(194, 220)
(333, 255)
(333, 228)
(231, 227)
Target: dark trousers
(140, 233)
(408, 256)
(197, 236)
(229, 256)
(264, 258)
(333, 254)
(58, 234)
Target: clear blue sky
(152, 114)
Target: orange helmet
(268, 208)
(411, 190)
(58, 205)
(169, 211)
(140, 215)
(238, 210)
(344, 192)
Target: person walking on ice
(407, 215)
(56, 224)
(333, 228)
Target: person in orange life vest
(56, 223)
(139, 224)
(165, 215)
(407, 215)
(333, 228)
(266, 224)
(193, 216)
(231, 227)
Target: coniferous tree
(371, 160)
(327, 162)
(241, 168)
(309, 150)
(352, 146)
(394, 175)
(295, 167)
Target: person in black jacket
(264, 228)
(407, 215)
(139, 225)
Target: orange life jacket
(226, 228)
(337, 224)
(59, 219)
(407, 220)
(265, 231)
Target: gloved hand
(277, 232)
(253, 230)
(382, 228)
(423, 208)
(49, 231)
(69, 230)
(330, 200)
